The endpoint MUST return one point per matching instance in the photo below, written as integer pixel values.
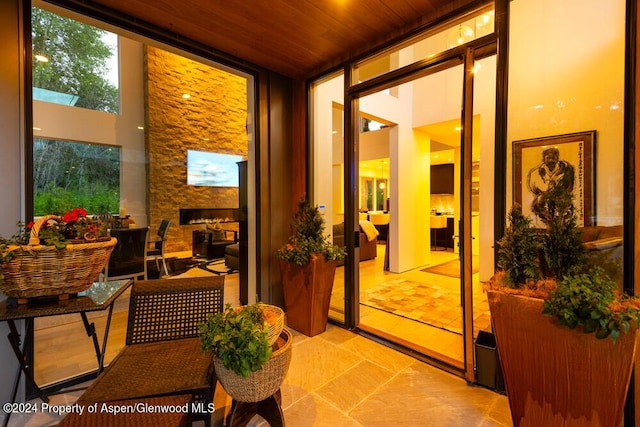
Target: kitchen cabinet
(442, 179)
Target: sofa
(368, 247)
(604, 248)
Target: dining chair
(156, 249)
(129, 256)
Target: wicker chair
(162, 356)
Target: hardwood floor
(62, 349)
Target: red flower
(30, 225)
(74, 215)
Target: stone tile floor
(342, 379)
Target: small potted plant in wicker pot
(249, 364)
(307, 265)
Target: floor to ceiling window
(139, 117)
(566, 108)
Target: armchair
(162, 355)
(368, 248)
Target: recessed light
(186, 96)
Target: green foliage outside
(78, 60)
(238, 338)
(307, 238)
(71, 174)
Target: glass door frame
(464, 55)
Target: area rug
(451, 268)
(433, 304)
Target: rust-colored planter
(556, 376)
(307, 294)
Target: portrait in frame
(541, 163)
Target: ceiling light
(459, 35)
(458, 128)
(141, 127)
(40, 57)
(186, 96)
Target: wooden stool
(269, 409)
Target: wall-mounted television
(210, 169)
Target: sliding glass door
(409, 194)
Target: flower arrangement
(73, 226)
(55, 255)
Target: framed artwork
(542, 163)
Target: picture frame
(566, 155)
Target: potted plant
(551, 312)
(307, 266)
(249, 366)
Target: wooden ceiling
(296, 38)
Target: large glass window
(70, 174)
(135, 162)
(427, 45)
(74, 64)
(566, 114)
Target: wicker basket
(36, 270)
(260, 384)
(273, 318)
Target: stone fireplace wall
(213, 118)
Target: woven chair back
(168, 309)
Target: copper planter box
(556, 376)
(307, 294)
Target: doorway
(415, 190)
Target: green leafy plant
(238, 338)
(589, 300)
(518, 250)
(562, 244)
(307, 238)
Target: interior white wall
(484, 106)
(568, 76)
(79, 124)
(408, 151)
(327, 94)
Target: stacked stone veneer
(214, 118)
